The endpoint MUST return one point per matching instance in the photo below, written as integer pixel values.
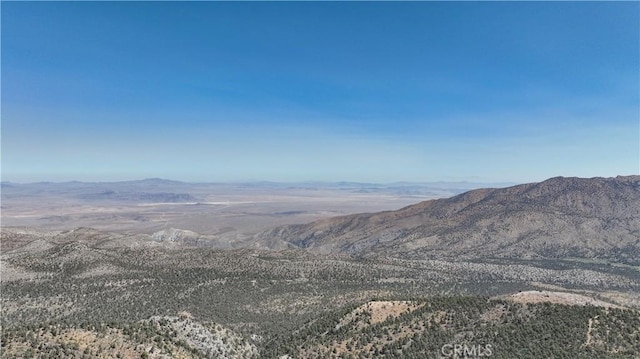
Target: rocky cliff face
(595, 218)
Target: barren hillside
(596, 218)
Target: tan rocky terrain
(596, 218)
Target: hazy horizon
(257, 181)
(319, 91)
(472, 180)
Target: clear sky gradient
(289, 91)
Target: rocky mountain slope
(595, 218)
(91, 294)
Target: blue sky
(293, 91)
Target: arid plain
(223, 209)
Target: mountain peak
(559, 217)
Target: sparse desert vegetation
(87, 293)
(86, 296)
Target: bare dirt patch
(535, 296)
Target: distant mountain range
(596, 218)
(157, 190)
(160, 197)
